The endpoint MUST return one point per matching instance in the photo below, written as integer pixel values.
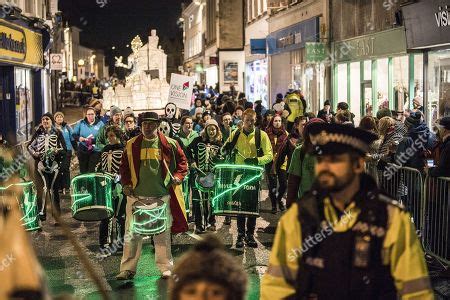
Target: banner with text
(180, 91)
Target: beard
(330, 183)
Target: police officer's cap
(330, 139)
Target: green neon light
(247, 167)
(27, 203)
(152, 216)
(237, 187)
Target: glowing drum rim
(26, 196)
(92, 197)
(237, 190)
(149, 219)
(205, 183)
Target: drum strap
(259, 151)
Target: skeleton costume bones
(47, 148)
(171, 113)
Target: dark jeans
(56, 207)
(281, 178)
(241, 224)
(104, 226)
(201, 208)
(64, 177)
(88, 161)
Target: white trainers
(166, 274)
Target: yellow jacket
(246, 147)
(404, 253)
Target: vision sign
(180, 90)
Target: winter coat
(84, 129)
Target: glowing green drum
(236, 190)
(149, 219)
(92, 197)
(25, 194)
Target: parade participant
(48, 148)
(152, 169)
(201, 123)
(345, 239)
(208, 272)
(253, 147)
(99, 111)
(276, 170)
(85, 133)
(109, 163)
(131, 128)
(237, 116)
(115, 121)
(187, 134)
(301, 168)
(67, 131)
(227, 126)
(203, 154)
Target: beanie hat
(128, 111)
(58, 113)
(199, 110)
(115, 110)
(384, 112)
(50, 116)
(208, 261)
(280, 96)
(414, 119)
(212, 122)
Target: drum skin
(92, 197)
(205, 183)
(237, 190)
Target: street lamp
(113, 47)
(81, 62)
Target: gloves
(251, 161)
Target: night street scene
(225, 149)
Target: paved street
(66, 275)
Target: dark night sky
(107, 23)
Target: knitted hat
(58, 113)
(50, 116)
(199, 110)
(208, 261)
(280, 96)
(127, 112)
(115, 110)
(212, 122)
(414, 119)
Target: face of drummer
(277, 122)
(112, 138)
(337, 171)
(249, 122)
(203, 290)
(211, 130)
(46, 122)
(149, 129)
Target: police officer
(345, 239)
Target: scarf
(278, 139)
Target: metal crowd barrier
(72, 98)
(436, 231)
(427, 200)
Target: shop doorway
(366, 99)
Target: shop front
(21, 76)
(374, 71)
(427, 30)
(289, 69)
(256, 78)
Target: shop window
(400, 83)
(342, 83)
(257, 81)
(355, 91)
(439, 85)
(24, 104)
(382, 95)
(418, 78)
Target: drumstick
(168, 171)
(198, 169)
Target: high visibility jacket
(295, 105)
(246, 147)
(401, 247)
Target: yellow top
(246, 147)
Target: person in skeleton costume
(203, 155)
(171, 113)
(109, 163)
(115, 121)
(48, 148)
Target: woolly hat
(212, 122)
(414, 119)
(58, 113)
(50, 116)
(115, 110)
(280, 96)
(198, 110)
(208, 261)
(127, 112)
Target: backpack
(232, 144)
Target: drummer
(153, 167)
(246, 153)
(203, 154)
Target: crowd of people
(303, 154)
